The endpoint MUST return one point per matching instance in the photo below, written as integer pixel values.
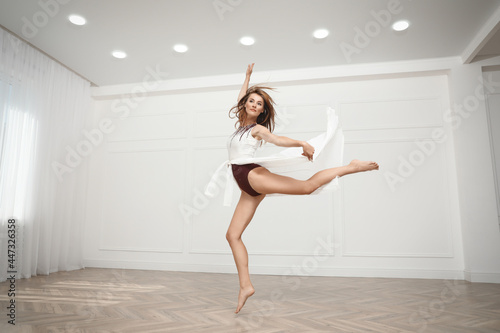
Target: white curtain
(44, 108)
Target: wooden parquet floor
(115, 300)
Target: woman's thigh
(266, 182)
(243, 213)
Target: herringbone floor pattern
(113, 300)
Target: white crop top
(242, 145)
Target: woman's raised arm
(244, 88)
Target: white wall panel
(409, 217)
(308, 119)
(139, 208)
(291, 225)
(150, 127)
(209, 123)
(389, 114)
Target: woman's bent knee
(310, 187)
(232, 237)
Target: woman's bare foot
(364, 165)
(243, 296)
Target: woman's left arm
(261, 132)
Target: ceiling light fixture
(247, 41)
(400, 25)
(77, 19)
(180, 48)
(320, 33)
(119, 54)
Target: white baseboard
(482, 277)
(155, 266)
(264, 270)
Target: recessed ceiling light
(400, 25)
(119, 54)
(320, 33)
(247, 41)
(180, 48)
(77, 19)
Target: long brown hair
(266, 118)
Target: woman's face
(254, 105)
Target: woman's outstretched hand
(250, 69)
(308, 151)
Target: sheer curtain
(43, 109)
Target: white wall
(474, 161)
(401, 221)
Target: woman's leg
(243, 214)
(266, 182)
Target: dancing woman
(255, 114)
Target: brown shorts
(240, 173)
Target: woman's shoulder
(259, 132)
(259, 128)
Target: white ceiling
(148, 29)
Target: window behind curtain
(17, 150)
(5, 89)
